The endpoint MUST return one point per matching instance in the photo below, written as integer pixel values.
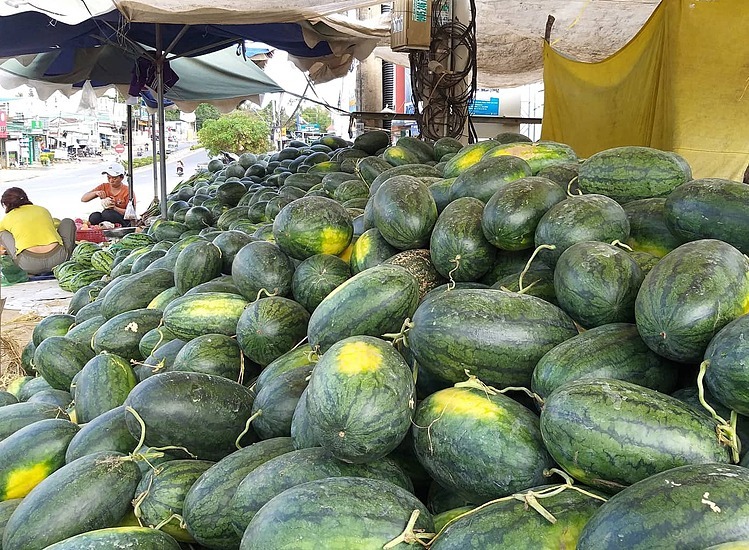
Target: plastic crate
(92, 234)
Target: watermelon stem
(267, 294)
(569, 188)
(247, 428)
(409, 536)
(182, 524)
(530, 261)
(726, 430)
(474, 382)
(172, 448)
(142, 428)
(451, 283)
(400, 337)
(139, 500)
(240, 379)
(620, 244)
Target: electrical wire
(441, 95)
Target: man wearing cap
(114, 195)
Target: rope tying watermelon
(726, 429)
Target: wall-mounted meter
(411, 25)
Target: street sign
(119, 148)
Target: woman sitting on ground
(28, 234)
(114, 197)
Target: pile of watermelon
(363, 345)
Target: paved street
(59, 188)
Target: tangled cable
(441, 96)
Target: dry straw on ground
(14, 335)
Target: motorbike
(180, 171)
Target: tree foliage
(205, 111)
(317, 115)
(172, 114)
(238, 132)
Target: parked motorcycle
(180, 169)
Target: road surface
(59, 188)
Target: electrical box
(411, 25)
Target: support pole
(160, 114)
(153, 157)
(129, 131)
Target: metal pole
(153, 157)
(129, 148)
(160, 113)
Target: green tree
(205, 111)
(238, 132)
(317, 115)
(172, 114)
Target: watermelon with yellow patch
(360, 399)
(313, 225)
(538, 155)
(479, 443)
(31, 454)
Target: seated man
(114, 195)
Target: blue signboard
(484, 107)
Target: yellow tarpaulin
(681, 84)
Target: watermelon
(316, 277)
(374, 302)
(423, 150)
(291, 469)
(52, 325)
(205, 414)
(578, 219)
(497, 336)
(360, 399)
(726, 360)
(143, 538)
(610, 433)
(82, 333)
(538, 282)
(710, 208)
(121, 335)
(161, 494)
(222, 283)
(229, 243)
(269, 327)
(445, 146)
(466, 157)
(369, 250)
(136, 292)
(511, 214)
(648, 231)
(459, 249)
(275, 402)
(597, 283)
(512, 523)
(372, 141)
(210, 313)
(102, 385)
(197, 263)
(93, 492)
(479, 443)
(359, 513)
(694, 506)
(7, 398)
(689, 295)
(106, 432)
(632, 172)
(414, 170)
(608, 351)
(216, 354)
(31, 454)
(488, 176)
(312, 225)
(153, 339)
(262, 266)
(404, 212)
(145, 260)
(207, 509)
(15, 416)
(538, 155)
(32, 387)
(418, 263)
(59, 398)
(57, 359)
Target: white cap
(114, 169)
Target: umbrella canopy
(223, 78)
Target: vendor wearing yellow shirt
(28, 234)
